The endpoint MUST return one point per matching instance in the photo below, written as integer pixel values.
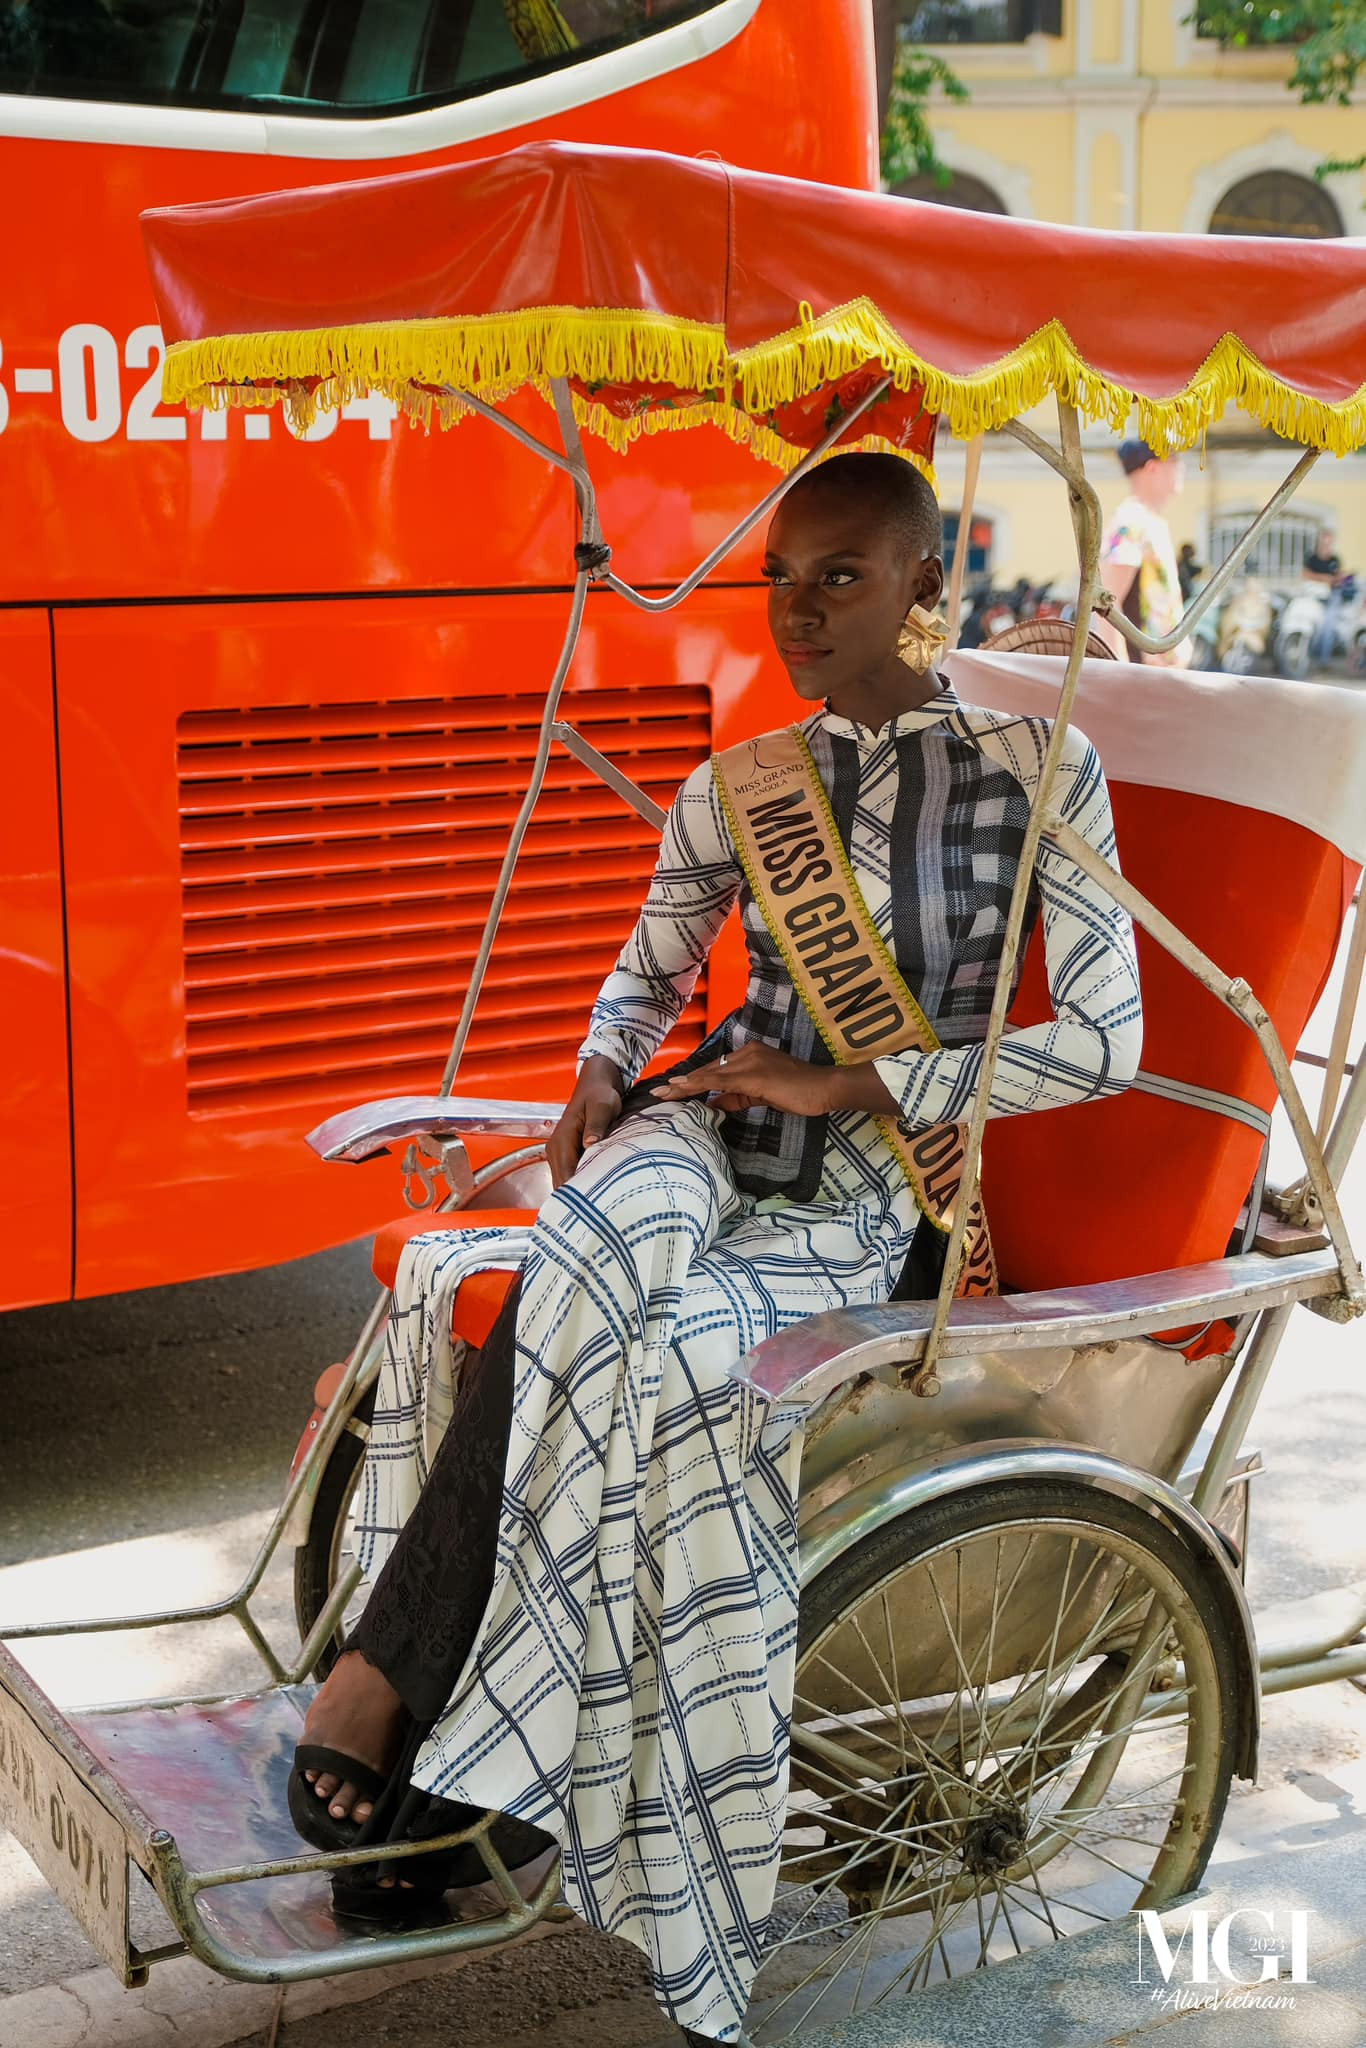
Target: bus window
(329, 57)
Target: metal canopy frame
(910, 1339)
(1312, 1200)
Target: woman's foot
(357, 1712)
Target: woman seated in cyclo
(586, 1618)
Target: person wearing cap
(1137, 559)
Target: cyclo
(1027, 1673)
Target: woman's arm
(696, 880)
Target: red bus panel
(283, 824)
(35, 1111)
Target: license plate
(74, 1841)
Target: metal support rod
(574, 463)
(143, 1958)
(246, 1621)
(1235, 994)
(1297, 1202)
(233, 1603)
(517, 835)
(320, 1633)
(1257, 1362)
(576, 467)
(1342, 1024)
(1217, 583)
(1085, 508)
(588, 531)
(961, 543)
(1347, 1129)
(752, 519)
(1306, 1648)
(573, 742)
(1348, 1662)
(507, 426)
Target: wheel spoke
(965, 1679)
(1034, 1880)
(1074, 1835)
(1005, 1911)
(903, 1812)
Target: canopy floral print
(671, 292)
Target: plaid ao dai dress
(630, 1687)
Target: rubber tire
(1293, 657)
(313, 1558)
(897, 1544)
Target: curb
(186, 2003)
(1093, 1990)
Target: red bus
(267, 701)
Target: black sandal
(309, 1813)
(420, 1882)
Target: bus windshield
(325, 57)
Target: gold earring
(922, 639)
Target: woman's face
(840, 586)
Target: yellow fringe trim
(488, 354)
(822, 350)
(761, 440)
(494, 354)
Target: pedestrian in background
(1190, 571)
(1138, 562)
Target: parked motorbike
(991, 611)
(1244, 636)
(1323, 626)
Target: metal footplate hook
(436, 1173)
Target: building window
(979, 21)
(1278, 554)
(962, 190)
(1276, 203)
(981, 534)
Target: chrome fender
(837, 1528)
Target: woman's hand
(757, 1073)
(592, 1110)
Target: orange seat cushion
(480, 1296)
(1136, 1184)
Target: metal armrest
(366, 1132)
(800, 1366)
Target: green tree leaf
(908, 149)
(1329, 41)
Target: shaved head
(886, 487)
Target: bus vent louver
(337, 860)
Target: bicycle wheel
(1014, 1717)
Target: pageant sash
(797, 868)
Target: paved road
(146, 1441)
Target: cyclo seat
(1232, 797)
(1227, 792)
(479, 1296)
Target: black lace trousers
(426, 1605)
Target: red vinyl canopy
(671, 291)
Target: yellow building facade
(1129, 118)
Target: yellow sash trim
(780, 765)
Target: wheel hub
(994, 1843)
